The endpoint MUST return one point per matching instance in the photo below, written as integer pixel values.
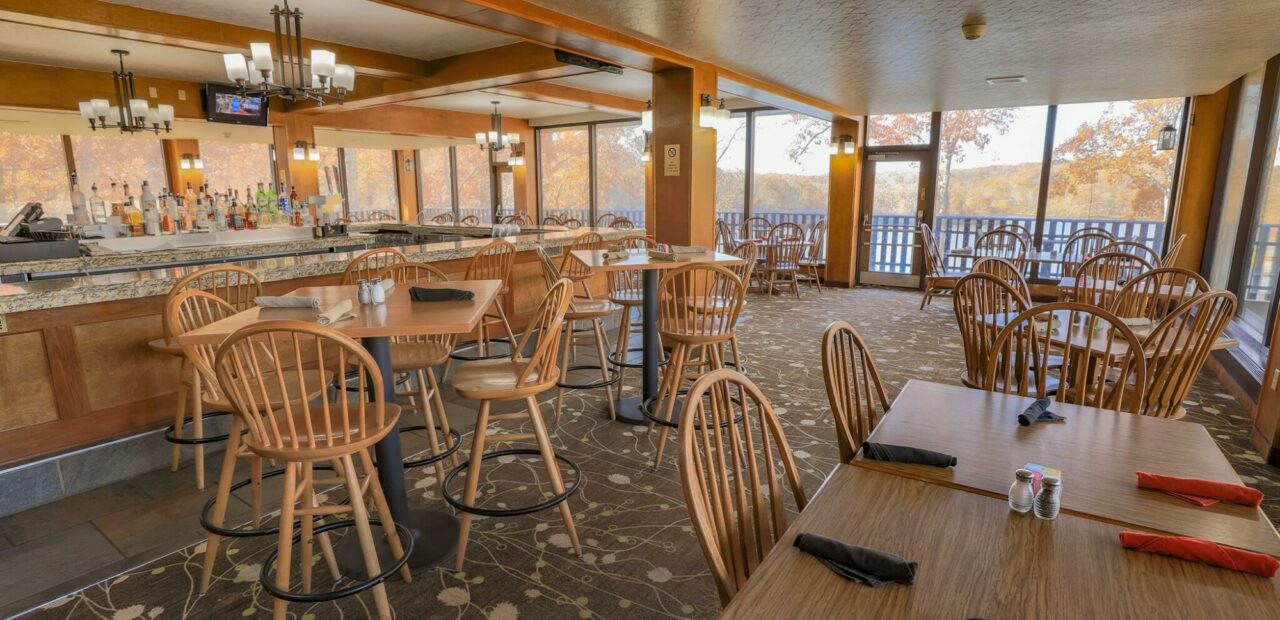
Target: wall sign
(671, 160)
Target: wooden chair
(1177, 348)
(786, 232)
(470, 220)
(698, 308)
(418, 357)
(1100, 357)
(521, 219)
(853, 387)
(1002, 243)
(815, 258)
(622, 223)
(1152, 295)
(575, 270)
(982, 302)
(605, 220)
(1018, 229)
(518, 378)
(443, 218)
(368, 264)
(1005, 270)
(493, 262)
(551, 220)
(1171, 256)
(593, 312)
(1137, 248)
(782, 264)
(756, 227)
(1082, 247)
(729, 461)
(724, 236)
(571, 223)
(746, 272)
(300, 433)
(237, 286)
(1089, 230)
(938, 280)
(626, 290)
(1099, 279)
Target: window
(1232, 201)
(33, 167)
(1257, 287)
(790, 166)
(1106, 172)
(731, 170)
(329, 175)
(435, 181)
(235, 164)
(475, 183)
(123, 159)
(564, 166)
(899, 129)
(371, 181)
(620, 171)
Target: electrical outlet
(4, 325)
(151, 90)
(182, 95)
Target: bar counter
(75, 367)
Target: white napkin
(387, 285)
(267, 301)
(1134, 322)
(615, 255)
(337, 313)
(688, 249)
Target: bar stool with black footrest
(626, 289)
(698, 307)
(492, 262)
(589, 310)
(419, 357)
(515, 379)
(300, 433)
(575, 270)
(238, 287)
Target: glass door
(895, 193)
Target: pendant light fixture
(261, 76)
(494, 140)
(130, 114)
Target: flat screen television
(224, 104)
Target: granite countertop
(72, 291)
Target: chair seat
(319, 433)
(781, 267)
(164, 345)
(627, 297)
(407, 356)
(708, 303)
(585, 309)
(316, 384)
(813, 263)
(497, 378)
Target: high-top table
(435, 533)
(631, 410)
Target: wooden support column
(684, 158)
(844, 191)
(407, 185)
(302, 175)
(1198, 176)
(525, 178)
(179, 178)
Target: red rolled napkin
(1201, 550)
(1202, 492)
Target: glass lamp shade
(834, 148)
(299, 153)
(850, 147)
(164, 113)
(707, 116)
(138, 108)
(722, 116)
(198, 163)
(237, 69)
(322, 63)
(101, 107)
(313, 154)
(646, 120)
(644, 156)
(492, 137)
(86, 110)
(480, 138)
(513, 138)
(261, 54)
(344, 77)
(185, 163)
(114, 114)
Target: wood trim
(59, 88)
(557, 93)
(1224, 162)
(1205, 137)
(1257, 159)
(843, 206)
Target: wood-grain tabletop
(1099, 453)
(978, 559)
(638, 260)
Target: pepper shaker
(1049, 499)
(363, 292)
(1021, 496)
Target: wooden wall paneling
(303, 175)
(26, 384)
(60, 88)
(117, 365)
(844, 206)
(1192, 206)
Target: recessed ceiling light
(1008, 79)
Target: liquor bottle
(219, 215)
(189, 197)
(137, 221)
(283, 204)
(260, 198)
(185, 220)
(168, 213)
(97, 206)
(79, 208)
(201, 214)
(253, 217)
(296, 209)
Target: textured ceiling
(480, 102)
(351, 22)
(909, 55)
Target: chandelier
(130, 114)
(495, 140)
(258, 75)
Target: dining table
(435, 533)
(632, 409)
(1080, 336)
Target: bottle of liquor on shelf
(79, 206)
(169, 215)
(283, 204)
(199, 213)
(236, 213)
(218, 214)
(189, 198)
(97, 206)
(185, 220)
(260, 199)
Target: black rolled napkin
(418, 293)
(1039, 412)
(905, 454)
(874, 568)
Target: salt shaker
(1021, 496)
(364, 293)
(379, 294)
(1049, 499)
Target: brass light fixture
(494, 139)
(843, 145)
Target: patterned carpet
(641, 559)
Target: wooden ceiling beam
(568, 95)
(135, 24)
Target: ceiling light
(494, 139)
(646, 117)
(130, 114)
(255, 74)
(1008, 79)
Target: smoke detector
(973, 28)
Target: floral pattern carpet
(640, 556)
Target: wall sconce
(303, 151)
(517, 154)
(646, 117)
(843, 145)
(711, 117)
(648, 147)
(190, 161)
(1168, 139)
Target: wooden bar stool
(492, 262)
(367, 265)
(516, 379)
(337, 430)
(626, 290)
(592, 311)
(419, 357)
(236, 286)
(698, 307)
(575, 270)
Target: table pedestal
(631, 410)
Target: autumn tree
(33, 168)
(965, 132)
(563, 163)
(894, 129)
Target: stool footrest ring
(171, 437)
(475, 345)
(435, 458)
(647, 409)
(266, 578)
(511, 512)
(614, 377)
(243, 533)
